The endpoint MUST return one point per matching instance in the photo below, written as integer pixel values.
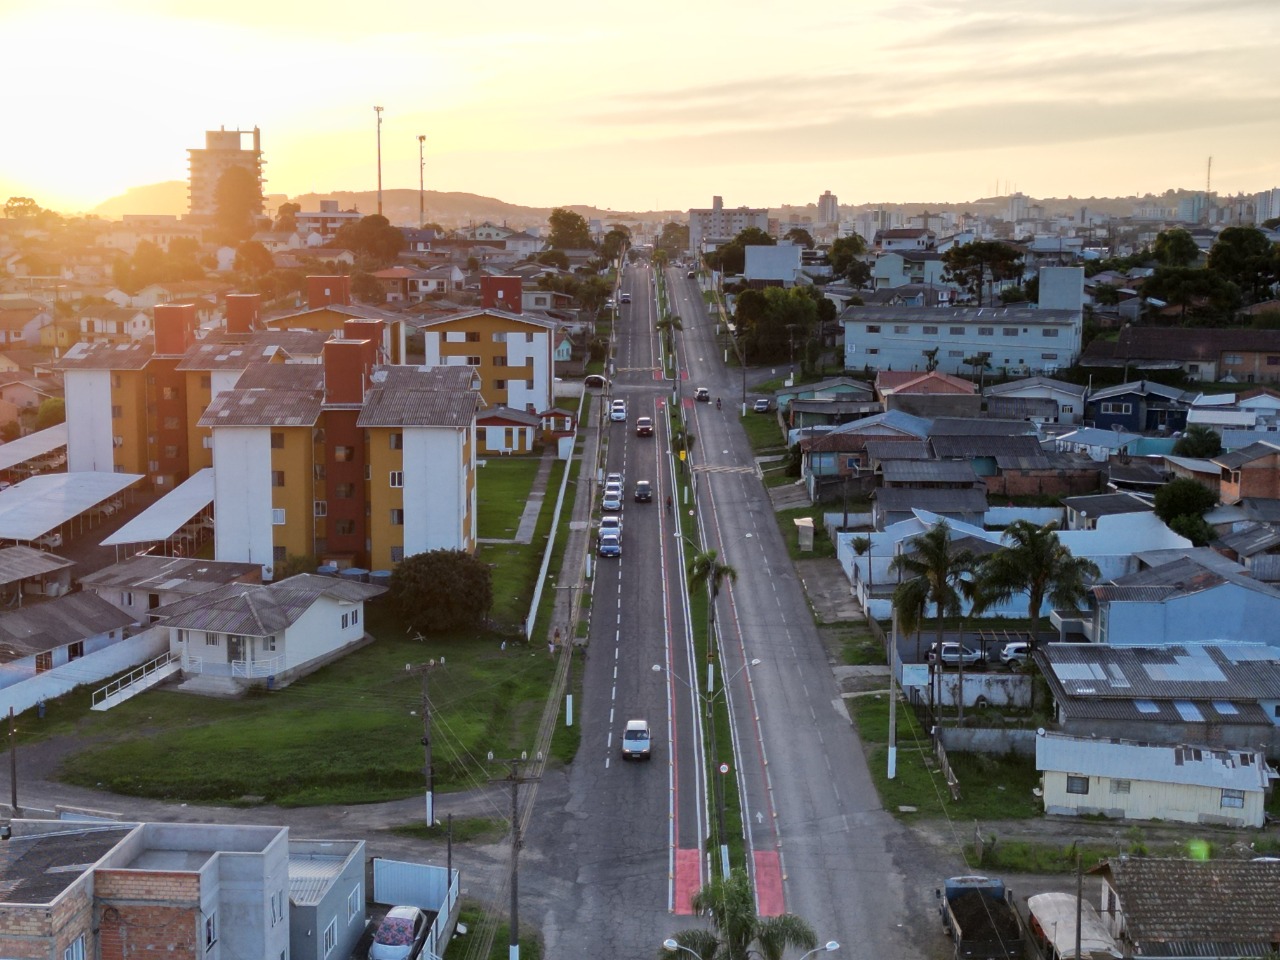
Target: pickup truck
(979, 914)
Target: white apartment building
(828, 208)
(325, 222)
(717, 223)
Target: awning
(33, 445)
(34, 507)
(169, 514)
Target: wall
(1150, 800)
(307, 924)
(998, 689)
(89, 423)
(435, 491)
(242, 496)
(319, 631)
(1003, 516)
(1227, 612)
(383, 498)
(996, 741)
(89, 669)
(295, 461)
(1058, 483)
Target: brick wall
(141, 931)
(1056, 483)
(180, 886)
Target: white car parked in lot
(618, 411)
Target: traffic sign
(724, 768)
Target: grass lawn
(823, 546)
(502, 490)
(859, 646)
(763, 432)
(991, 788)
(349, 733)
(465, 829)
(515, 565)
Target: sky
(647, 106)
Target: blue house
(1141, 407)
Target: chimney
(502, 293)
(365, 329)
(348, 365)
(244, 312)
(175, 326)
(322, 291)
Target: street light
(672, 945)
(378, 111)
(422, 163)
(827, 947)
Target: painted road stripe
(769, 899)
(688, 879)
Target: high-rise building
(828, 208)
(223, 149)
(717, 223)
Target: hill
(168, 197)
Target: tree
(442, 590)
(1244, 256)
(1106, 295)
(372, 238)
(750, 309)
(287, 217)
(730, 907)
(754, 237)
(666, 328)
(1196, 529)
(788, 319)
(931, 359)
(800, 236)
(569, 231)
(1203, 296)
(844, 252)
(614, 242)
(972, 265)
(237, 199)
(1198, 441)
(1183, 497)
(1176, 248)
(1034, 561)
(254, 259)
(706, 570)
(52, 412)
(21, 208)
(979, 363)
(673, 240)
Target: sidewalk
(572, 572)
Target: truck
(979, 914)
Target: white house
(1126, 780)
(903, 267)
(244, 632)
(773, 265)
(1067, 397)
(1096, 444)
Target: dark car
(644, 426)
(609, 545)
(644, 491)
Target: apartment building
(719, 223)
(223, 149)
(325, 222)
(348, 461)
(329, 307)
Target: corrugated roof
(1032, 383)
(1255, 538)
(889, 449)
(928, 471)
(38, 444)
(311, 875)
(37, 870)
(56, 623)
(1129, 760)
(19, 563)
(981, 427)
(258, 610)
(183, 575)
(229, 351)
(421, 397)
(1212, 672)
(966, 447)
(901, 499)
(1107, 504)
(1254, 451)
(107, 356)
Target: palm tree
(937, 575)
(728, 903)
(1034, 561)
(862, 547)
(705, 569)
(668, 326)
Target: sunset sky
(650, 105)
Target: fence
(941, 753)
(91, 668)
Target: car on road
(609, 545)
(612, 501)
(1015, 653)
(953, 654)
(644, 426)
(610, 524)
(702, 395)
(609, 304)
(625, 298)
(762, 405)
(597, 380)
(644, 491)
(693, 274)
(611, 478)
(618, 411)
(400, 935)
(635, 740)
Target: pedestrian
(551, 648)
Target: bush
(442, 590)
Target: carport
(19, 454)
(178, 522)
(24, 570)
(40, 507)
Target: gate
(435, 889)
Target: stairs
(149, 675)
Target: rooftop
(1107, 504)
(1131, 760)
(421, 397)
(905, 499)
(183, 575)
(55, 623)
(261, 611)
(37, 870)
(995, 316)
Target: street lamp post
(378, 111)
(826, 947)
(422, 163)
(670, 944)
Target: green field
(502, 489)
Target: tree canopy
(21, 208)
(372, 238)
(1176, 248)
(237, 200)
(287, 217)
(1244, 256)
(674, 239)
(569, 231)
(254, 259)
(788, 319)
(972, 265)
(737, 933)
(614, 241)
(1198, 441)
(844, 253)
(1204, 297)
(442, 590)
(1183, 497)
(801, 237)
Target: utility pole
(378, 111)
(515, 779)
(422, 163)
(13, 765)
(428, 767)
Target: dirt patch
(984, 918)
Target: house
(22, 319)
(772, 266)
(241, 633)
(1222, 694)
(1256, 547)
(905, 238)
(502, 430)
(988, 444)
(140, 584)
(840, 451)
(1130, 780)
(1191, 908)
(1239, 354)
(835, 388)
(912, 474)
(48, 649)
(325, 222)
(1203, 471)
(804, 414)
(1099, 445)
(1252, 472)
(894, 504)
(112, 324)
(1066, 399)
(906, 267)
(930, 394)
(1185, 601)
(1083, 512)
(1141, 407)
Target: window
(269, 644)
(355, 616)
(213, 639)
(277, 478)
(397, 478)
(44, 661)
(1066, 408)
(528, 384)
(344, 454)
(1078, 785)
(500, 338)
(75, 650)
(955, 353)
(473, 361)
(397, 517)
(397, 440)
(873, 350)
(473, 336)
(345, 528)
(320, 508)
(344, 491)
(1049, 332)
(277, 440)
(346, 620)
(1119, 408)
(170, 452)
(277, 518)
(210, 931)
(930, 331)
(115, 381)
(1273, 361)
(353, 904)
(499, 361)
(170, 423)
(74, 950)
(1048, 356)
(279, 554)
(207, 443)
(1120, 786)
(1232, 359)
(168, 393)
(901, 328)
(873, 328)
(500, 384)
(956, 331)
(117, 412)
(986, 331)
(206, 381)
(330, 937)
(1010, 331)
(127, 598)
(1233, 798)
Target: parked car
(635, 740)
(693, 274)
(614, 487)
(644, 491)
(612, 478)
(625, 298)
(610, 545)
(762, 405)
(1015, 653)
(618, 411)
(702, 395)
(644, 426)
(610, 524)
(953, 654)
(612, 501)
(400, 935)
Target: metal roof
(1107, 504)
(311, 875)
(185, 575)
(20, 563)
(1200, 673)
(887, 449)
(42, 503)
(107, 356)
(899, 499)
(258, 610)
(1056, 914)
(966, 447)
(981, 427)
(421, 397)
(270, 395)
(1255, 538)
(1254, 451)
(167, 515)
(230, 351)
(1200, 766)
(56, 623)
(1032, 383)
(33, 445)
(928, 471)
